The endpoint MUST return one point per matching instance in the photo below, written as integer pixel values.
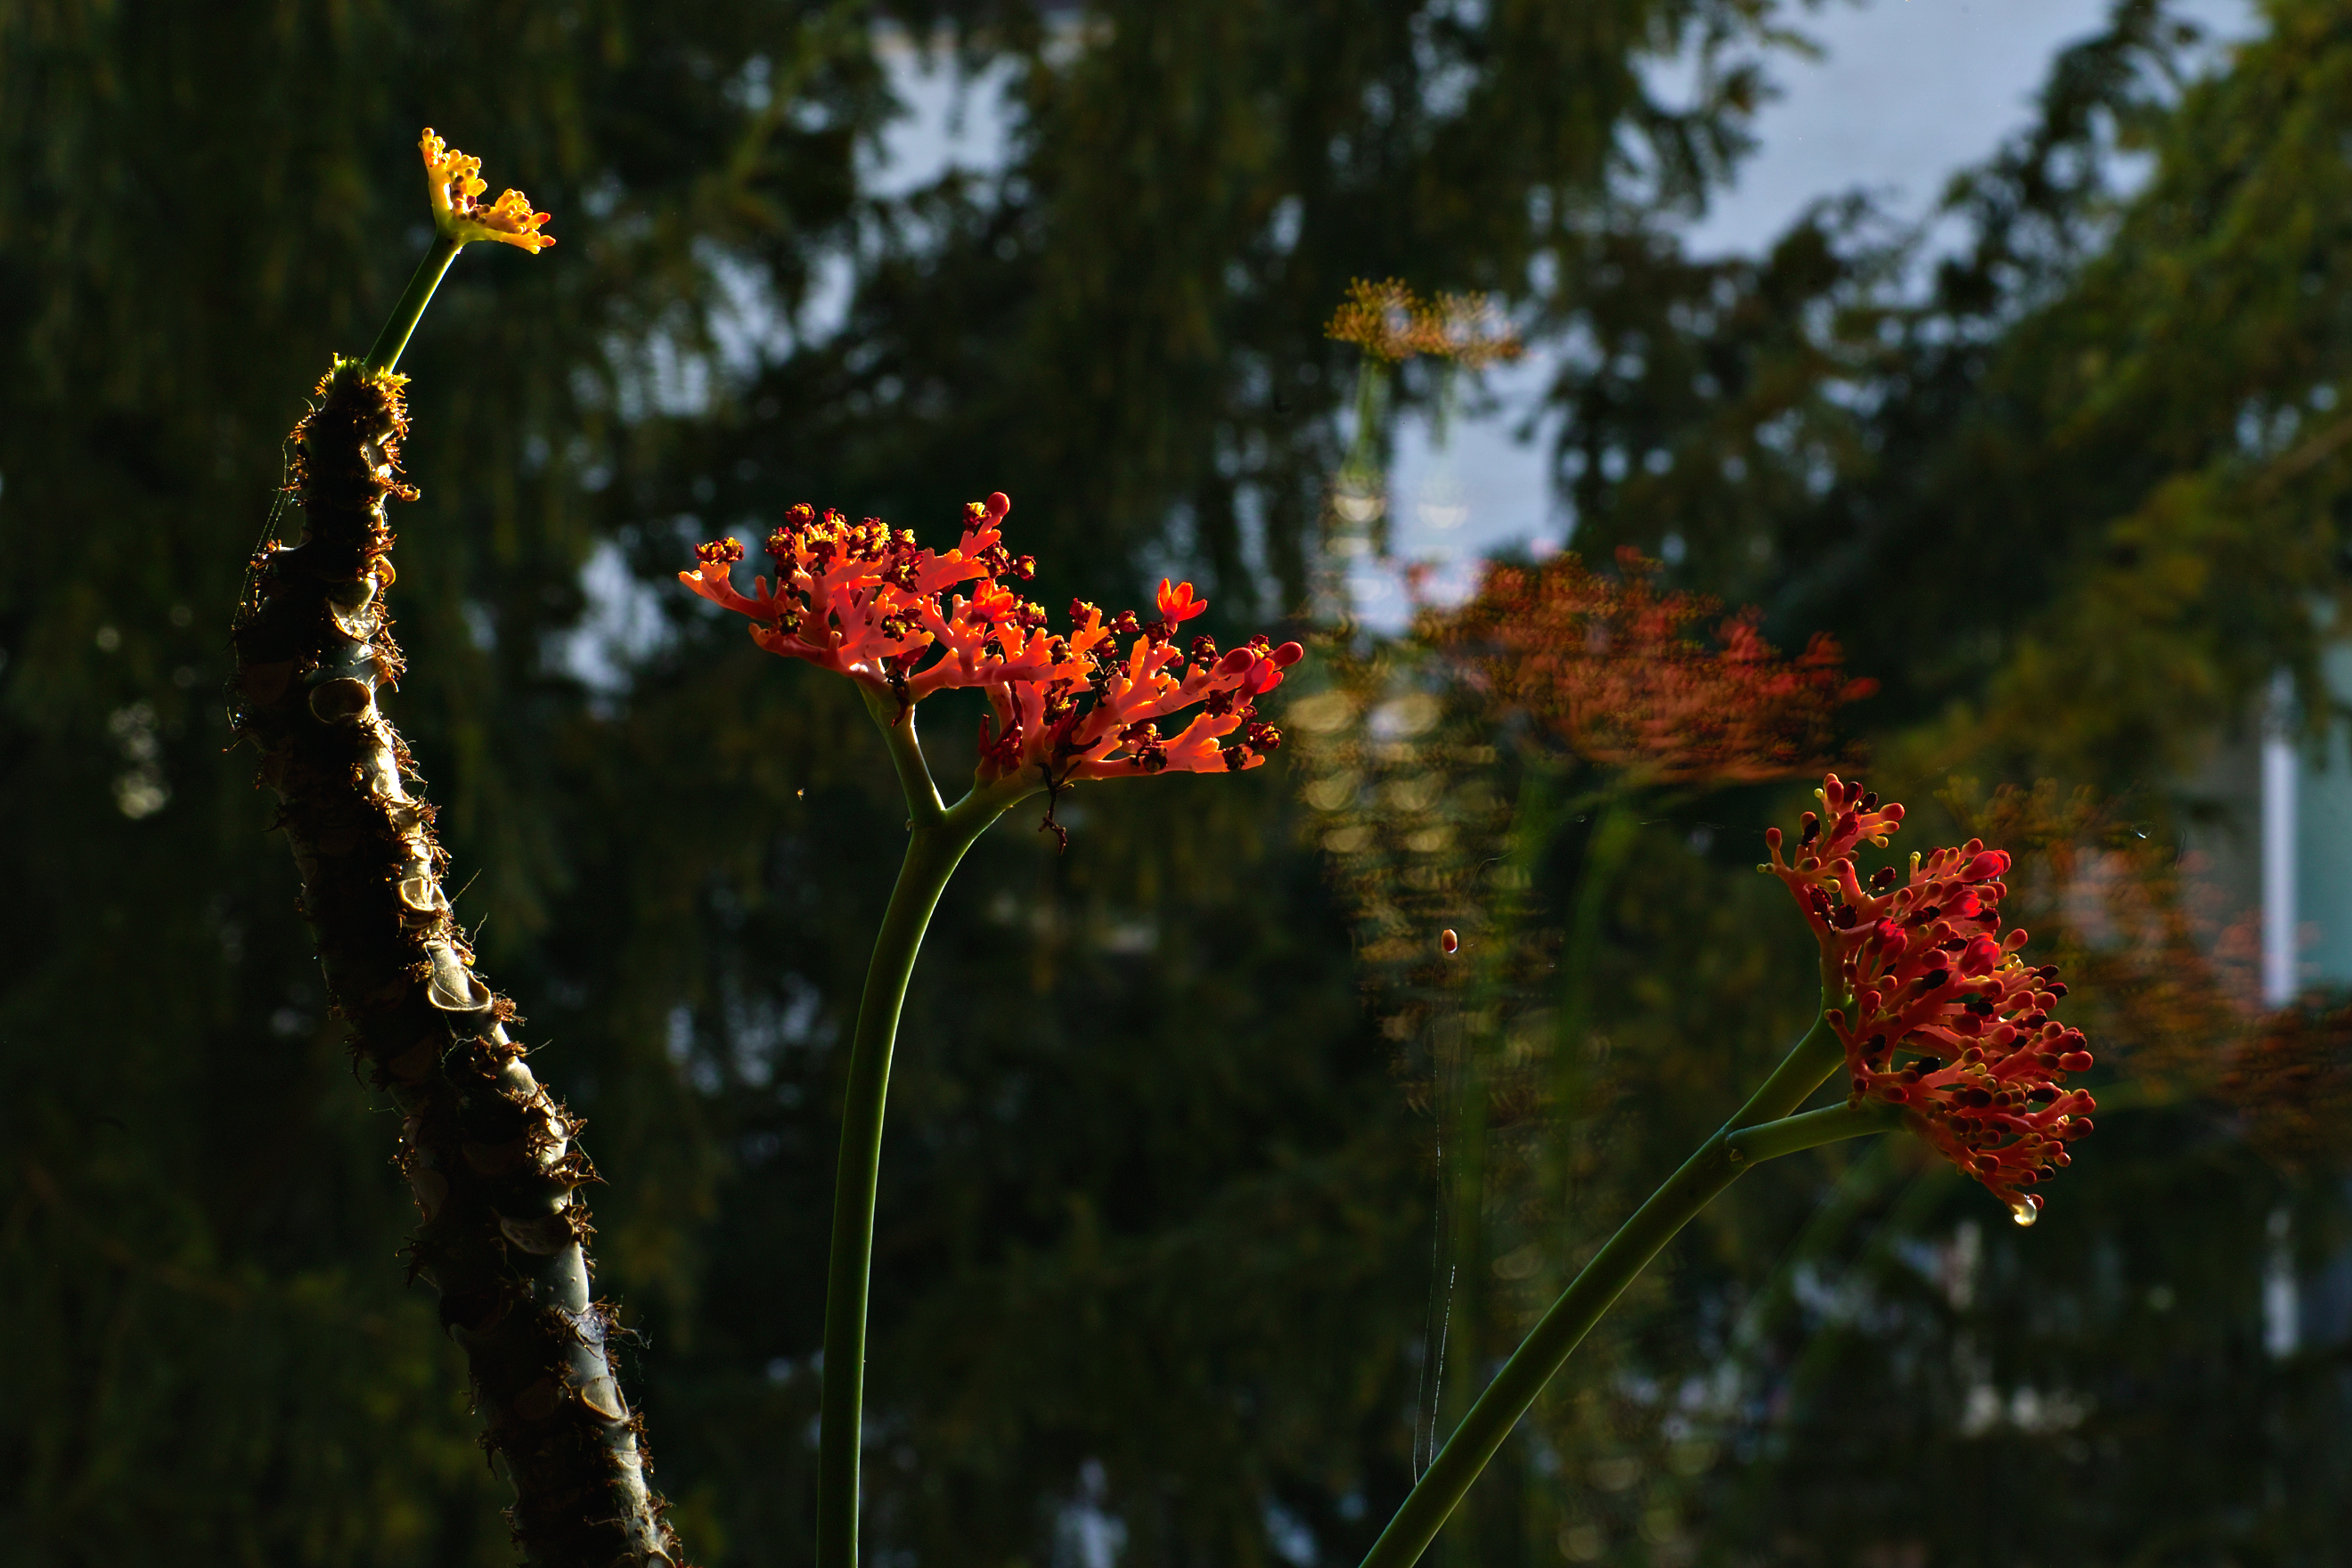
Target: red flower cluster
(1926, 975)
(868, 602)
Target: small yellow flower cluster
(454, 181)
(1390, 322)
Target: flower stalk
(938, 839)
(384, 354)
(1717, 1162)
(866, 601)
(1912, 966)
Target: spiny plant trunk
(489, 1155)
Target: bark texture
(490, 1155)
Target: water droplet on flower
(2023, 1212)
(1447, 943)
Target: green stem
(1362, 465)
(1792, 1134)
(937, 838)
(1616, 826)
(1762, 1129)
(405, 315)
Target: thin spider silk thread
(1436, 1320)
(1437, 1323)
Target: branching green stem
(1793, 1135)
(1763, 1129)
(937, 838)
(390, 342)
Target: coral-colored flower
(454, 180)
(1928, 975)
(865, 601)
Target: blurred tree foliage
(1152, 1199)
(1146, 1158)
(2072, 501)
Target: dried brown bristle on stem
(490, 1155)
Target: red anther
(1447, 943)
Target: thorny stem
(937, 839)
(1762, 1129)
(389, 343)
(490, 1155)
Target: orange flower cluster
(865, 601)
(1611, 666)
(1928, 975)
(1390, 322)
(454, 180)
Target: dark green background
(1160, 1202)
